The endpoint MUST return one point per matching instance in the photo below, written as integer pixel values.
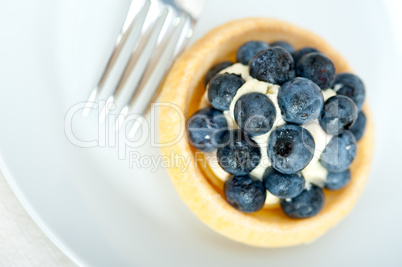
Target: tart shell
(181, 94)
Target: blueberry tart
(274, 128)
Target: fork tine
(149, 70)
(133, 23)
(138, 61)
(162, 59)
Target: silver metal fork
(154, 50)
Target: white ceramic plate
(102, 212)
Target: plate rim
(62, 246)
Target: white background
(101, 212)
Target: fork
(154, 50)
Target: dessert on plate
(275, 130)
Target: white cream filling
(313, 173)
(328, 93)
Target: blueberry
(340, 152)
(274, 65)
(255, 114)
(222, 88)
(206, 128)
(283, 185)
(338, 115)
(284, 45)
(305, 205)
(350, 85)
(238, 154)
(360, 125)
(337, 180)
(302, 52)
(244, 194)
(290, 148)
(300, 100)
(248, 50)
(318, 68)
(216, 69)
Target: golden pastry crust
(183, 89)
